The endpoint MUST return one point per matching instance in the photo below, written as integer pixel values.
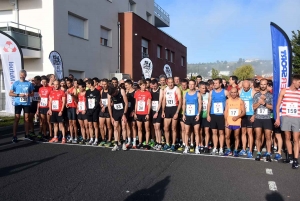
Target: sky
(229, 29)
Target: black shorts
(263, 123)
(19, 108)
(276, 130)
(44, 110)
(117, 114)
(65, 114)
(55, 118)
(246, 121)
(217, 122)
(72, 113)
(104, 115)
(141, 118)
(33, 107)
(190, 120)
(81, 116)
(93, 115)
(204, 123)
(156, 120)
(170, 112)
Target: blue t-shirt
(22, 88)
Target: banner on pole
(57, 64)
(167, 70)
(282, 62)
(12, 63)
(147, 67)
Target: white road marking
(269, 171)
(272, 186)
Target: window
(105, 38)
(172, 56)
(158, 51)
(132, 6)
(149, 19)
(182, 61)
(77, 26)
(167, 54)
(145, 48)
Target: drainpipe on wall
(119, 47)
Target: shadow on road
(9, 170)
(20, 144)
(274, 196)
(155, 192)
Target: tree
(244, 72)
(214, 73)
(295, 42)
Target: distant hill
(260, 66)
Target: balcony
(162, 18)
(28, 38)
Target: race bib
(69, 99)
(44, 102)
(91, 103)
(154, 105)
(218, 108)
(54, 104)
(262, 111)
(292, 108)
(247, 106)
(104, 102)
(141, 106)
(23, 99)
(36, 96)
(204, 105)
(233, 112)
(118, 106)
(190, 109)
(81, 106)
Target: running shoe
(107, 144)
(152, 144)
(288, 160)
(133, 147)
(268, 158)
(158, 147)
(214, 151)
(247, 150)
(243, 153)
(81, 141)
(144, 143)
(128, 145)
(201, 149)
(102, 143)
(181, 148)
(192, 149)
(197, 150)
(206, 150)
(235, 153)
(124, 148)
(40, 136)
(116, 148)
(139, 146)
(95, 143)
(258, 157)
(295, 164)
(186, 150)
(63, 140)
(70, 140)
(221, 152)
(249, 155)
(172, 148)
(90, 142)
(14, 140)
(255, 149)
(26, 137)
(264, 155)
(277, 157)
(74, 141)
(31, 135)
(166, 147)
(55, 139)
(228, 152)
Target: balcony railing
(145, 55)
(163, 18)
(27, 37)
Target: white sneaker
(116, 148)
(90, 142)
(124, 147)
(214, 151)
(221, 153)
(95, 143)
(197, 151)
(186, 150)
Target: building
(92, 36)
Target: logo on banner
(167, 70)
(147, 67)
(284, 66)
(57, 64)
(9, 47)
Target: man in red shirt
(57, 101)
(71, 110)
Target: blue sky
(229, 29)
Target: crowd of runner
(170, 114)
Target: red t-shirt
(70, 99)
(81, 102)
(141, 100)
(229, 87)
(57, 96)
(99, 88)
(44, 93)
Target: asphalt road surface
(43, 171)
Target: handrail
(25, 26)
(162, 10)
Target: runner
(162, 81)
(191, 107)
(114, 82)
(246, 94)
(43, 107)
(97, 84)
(215, 114)
(155, 113)
(262, 105)
(71, 106)
(57, 101)
(204, 124)
(234, 111)
(290, 100)
(141, 113)
(21, 90)
(33, 108)
(177, 81)
(118, 115)
(81, 113)
(92, 110)
(104, 118)
(171, 105)
(233, 82)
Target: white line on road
(269, 171)
(272, 186)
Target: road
(43, 171)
